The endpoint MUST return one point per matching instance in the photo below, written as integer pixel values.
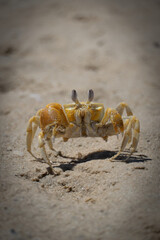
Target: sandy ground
(48, 48)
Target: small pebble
(140, 168)
(9, 149)
(12, 231)
(80, 155)
(35, 179)
(113, 183)
(57, 171)
(38, 170)
(67, 174)
(18, 153)
(90, 200)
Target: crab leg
(120, 109)
(131, 124)
(43, 150)
(50, 145)
(124, 141)
(114, 117)
(31, 130)
(136, 132)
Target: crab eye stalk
(75, 97)
(90, 96)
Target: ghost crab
(83, 119)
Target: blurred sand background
(48, 48)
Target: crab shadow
(99, 155)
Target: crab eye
(90, 95)
(74, 95)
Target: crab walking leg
(115, 117)
(131, 124)
(31, 130)
(43, 150)
(50, 145)
(125, 140)
(135, 139)
(120, 109)
(125, 127)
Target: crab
(83, 119)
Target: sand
(48, 48)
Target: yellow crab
(82, 119)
